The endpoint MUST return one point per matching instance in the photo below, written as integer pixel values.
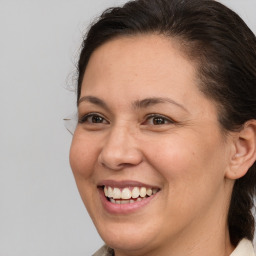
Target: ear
(244, 151)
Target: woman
(163, 153)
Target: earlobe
(244, 153)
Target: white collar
(244, 248)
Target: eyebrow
(93, 100)
(154, 101)
(137, 104)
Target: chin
(127, 242)
(127, 238)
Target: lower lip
(124, 208)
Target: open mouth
(128, 195)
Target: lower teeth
(122, 201)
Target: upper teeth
(128, 193)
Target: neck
(198, 245)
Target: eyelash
(166, 120)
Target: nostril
(120, 161)
(113, 164)
(119, 151)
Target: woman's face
(145, 128)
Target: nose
(120, 149)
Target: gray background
(41, 212)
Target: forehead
(136, 60)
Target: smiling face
(151, 140)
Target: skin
(188, 156)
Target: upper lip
(125, 183)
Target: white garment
(244, 248)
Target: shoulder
(244, 248)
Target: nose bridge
(120, 147)
(118, 139)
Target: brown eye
(97, 119)
(158, 120)
(93, 119)
(155, 119)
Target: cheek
(185, 160)
(193, 177)
(171, 155)
(83, 156)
